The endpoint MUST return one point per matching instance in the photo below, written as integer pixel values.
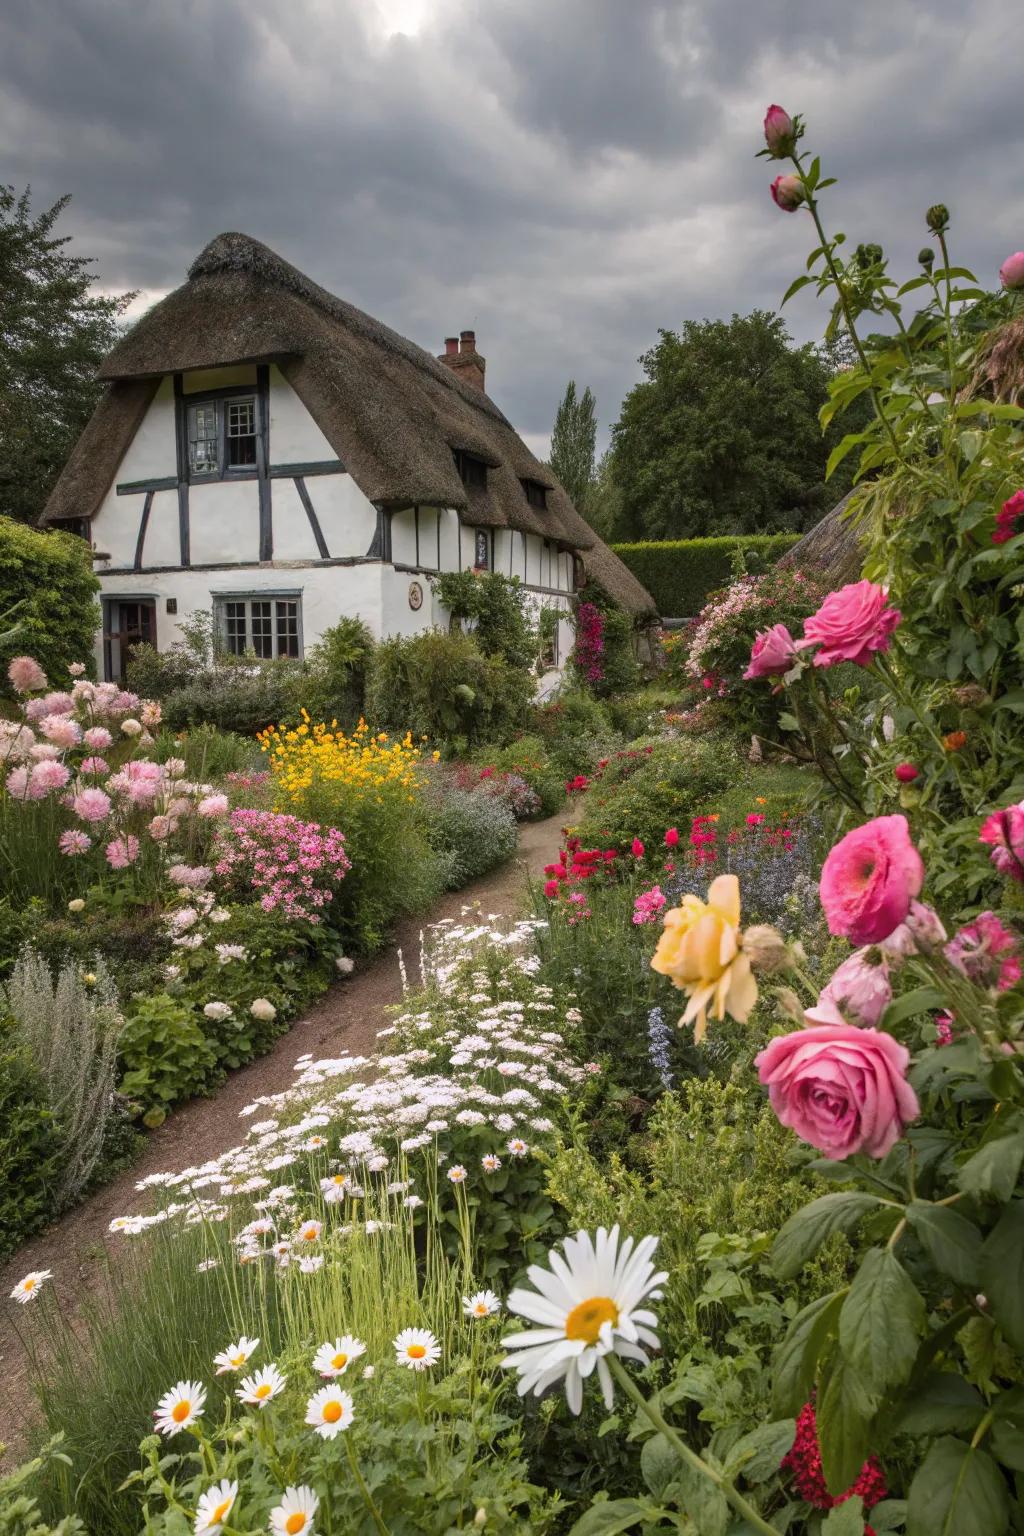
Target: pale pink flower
(150, 712)
(859, 989)
(46, 777)
(787, 193)
(91, 804)
(73, 842)
(161, 827)
(62, 731)
(122, 851)
(16, 783)
(43, 751)
(26, 675)
(98, 738)
(16, 741)
(986, 952)
(76, 668)
(131, 727)
(83, 692)
(192, 876)
(212, 806)
(1011, 273)
(774, 652)
(851, 625)
(870, 878)
(925, 926)
(95, 765)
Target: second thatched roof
(831, 550)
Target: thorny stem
(679, 1445)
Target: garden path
(80, 1250)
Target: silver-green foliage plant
(71, 1027)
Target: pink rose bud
(779, 132)
(859, 989)
(906, 772)
(1004, 833)
(774, 652)
(925, 925)
(1011, 273)
(637, 848)
(788, 193)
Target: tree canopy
(573, 442)
(722, 435)
(54, 330)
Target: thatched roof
(832, 549)
(391, 412)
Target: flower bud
(937, 218)
(925, 926)
(926, 256)
(779, 132)
(1011, 273)
(906, 772)
(480, 1518)
(790, 1004)
(788, 193)
(766, 949)
(971, 696)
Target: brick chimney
(460, 354)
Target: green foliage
(20, 1514)
(47, 591)
(208, 752)
(472, 832)
(680, 573)
(336, 668)
(528, 757)
(677, 781)
(723, 433)
(496, 607)
(442, 686)
(30, 1145)
(54, 333)
(573, 442)
(165, 1052)
(577, 731)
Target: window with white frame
(221, 436)
(262, 624)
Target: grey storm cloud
(565, 175)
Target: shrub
(336, 671)
(472, 832)
(208, 751)
(166, 1055)
(286, 863)
(47, 578)
(30, 1145)
(679, 573)
(527, 758)
(71, 1028)
(677, 780)
(577, 730)
(240, 697)
(495, 606)
(442, 686)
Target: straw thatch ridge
(391, 412)
(832, 549)
(89, 472)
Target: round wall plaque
(415, 595)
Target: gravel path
(79, 1249)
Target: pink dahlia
(1004, 832)
(122, 851)
(46, 777)
(61, 730)
(73, 842)
(851, 625)
(869, 880)
(26, 675)
(212, 806)
(91, 804)
(97, 738)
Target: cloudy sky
(565, 176)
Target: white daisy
(236, 1355)
(587, 1305)
(417, 1349)
(27, 1288)
(482, 1304)
(214, 1506)
(296, 1512)
(490, 1162)
(259, 1388)
(457, 1174)
(180, 1407)
(329, 1411)
(310, 1231)
(517, 1147)
(309, 1264)
(334, 1359)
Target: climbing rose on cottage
(869, 880)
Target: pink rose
(1004, 832)
(788, 193)
(851, 625)
(774, 652)
(26, 675)
(869, 880)
(859, 989)
(1011, 273)
(841, 1089)
(779, 132)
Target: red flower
(550, 888)
(803, 1460)
(637, 848)
(672, 838)
(906, 772)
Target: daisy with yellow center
(296, 1512)
(490, 1162)
(236, 1355)
(517, 1146)
(483, 1304)
(180, 1408)
(700, 952)
(334, 1359)
(214, 1506)
(588, 1306)
(417, 1349)
(259, 1388)
(458, 1174)
(28, 1288)
(310, 1231)
(329, 1411)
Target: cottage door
(131, 623)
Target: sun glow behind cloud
(405, 16)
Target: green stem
(374, 1512)
(746, 1511)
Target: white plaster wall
(224, 519)
(293, 537)
(449, 540)
(163, 540)
(295, 437)
(534, 546)
(403, 536)
(398, 617)
(151, 455)
(347, 518)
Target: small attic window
(536, 494)
(221, 436)
(472, 471)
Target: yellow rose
(699, 950)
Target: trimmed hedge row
(679, 573)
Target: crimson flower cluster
(803, 1461)
(589, 642)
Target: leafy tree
(53, 333)
(722, 436)
(573, 443)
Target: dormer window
(472, 471)
(536, 494)
(221, 436)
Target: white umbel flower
(482, 1304)
(236, 1355)
(329, 1411)
(588, 1306)
(28, 1288)
(261, 1386)
(334, 1359)
(214, 1506)
(180, 1407)
(296, 1512)
(417, 1349)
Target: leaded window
(222, 436)
(264, 626)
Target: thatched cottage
(272, 453)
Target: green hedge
(49, 578)
(679, 573)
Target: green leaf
(958, 1491)
(793, 1366)
(702, 1501)
(757, 1456)
(659, 1463)
(919, 1001)
(943, 1402)
(803, 1234)
(794, 287)
(952, 1242)
(1007, 1439)
(880, 1322)
(1002, 1266)
(846, 1519)
(608, 1518)
(995, 1168)
(845, 445)
(845, 1412)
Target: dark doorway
(127, 622)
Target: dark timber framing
(181, 449)
(314, 521)
(147, 507)
(263, 461)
